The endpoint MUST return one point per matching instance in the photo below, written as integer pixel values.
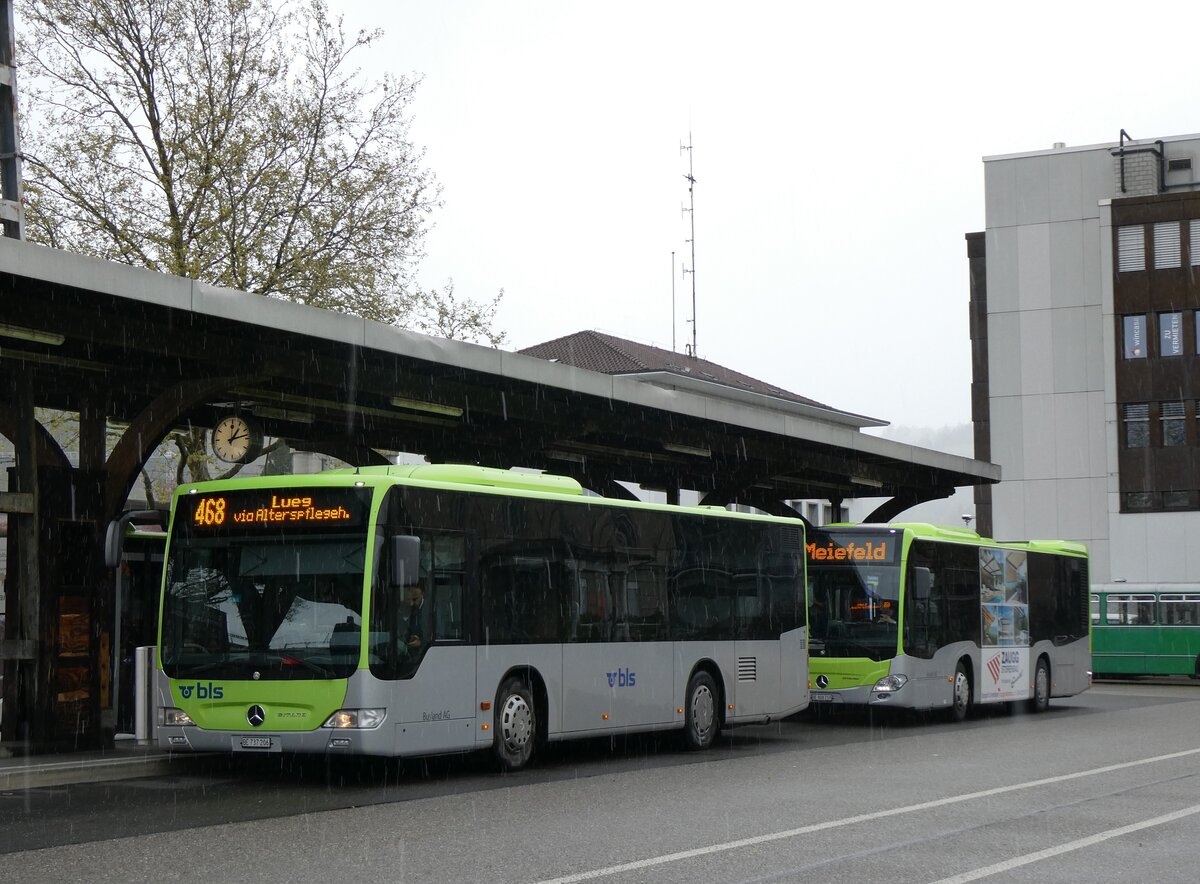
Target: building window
(1140, 501)
(1194, 243)
(1176, 500)
(1131, 248)
(1174, 430)
(1135, 336)
(1170, 334)
(1137, 426)
(1166, 245)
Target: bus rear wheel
(516, 724)
(1040, 701)
(960, 702)
(702, 720)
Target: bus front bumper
(377, 741)
(862, 695)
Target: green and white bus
(418, 610)
(921, 617)
(1146, 630)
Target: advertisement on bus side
(1004, 623)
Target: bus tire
(960, 698)
(1040, 701)
(515, 725)
(702, 719)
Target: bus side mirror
(921, 584)
(406, 560)
(114, 538)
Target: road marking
(1005, 866)
(650, 862)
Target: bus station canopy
(152, 352)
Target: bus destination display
(279, 507)
(857, 548)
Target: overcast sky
(837, 153)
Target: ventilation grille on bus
(747, 669)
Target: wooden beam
(16, 502)
(18, 649)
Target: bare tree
(231, 141)
(234, 142)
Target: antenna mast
(672, 302)
(691, 210)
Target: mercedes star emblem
(822, 682)
(256, 716)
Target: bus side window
(594, 602)
(644, 601)
(1130, 610)
(447, 608)
(1180, 610)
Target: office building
(1085, 305)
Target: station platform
(126, 760)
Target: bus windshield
(854, 581)
(263, 603)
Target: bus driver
(415, 630)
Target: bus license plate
(819, 697)
(256, 742)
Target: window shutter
(1131, 248)
(1166, 245)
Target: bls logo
(208, 691)
(622, 678)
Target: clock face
(234, 440)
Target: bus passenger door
(435, 704)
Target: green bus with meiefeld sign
(922, 617)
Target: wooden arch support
(147, 430)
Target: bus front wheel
(702, 720)
(516, 724)
(960, 702)
(1040, 700)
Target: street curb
(18, 774)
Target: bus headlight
(359, 719)
(172, 717)
(890, 683)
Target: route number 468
(210, 511)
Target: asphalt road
(1103, 787)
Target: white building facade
(1085, 293)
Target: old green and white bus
(1146, 629)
